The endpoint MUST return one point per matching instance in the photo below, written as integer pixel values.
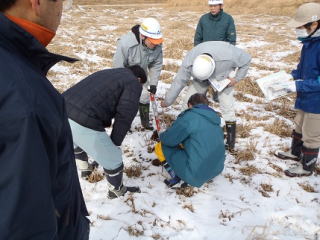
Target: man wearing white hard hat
(306, 135)
(210, 63)
(216, 25)
(142, 46)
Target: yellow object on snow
(158, 152)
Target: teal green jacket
(202, 156)
(218, 27)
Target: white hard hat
(215, 2)
(203, 67)
(308, 12)
(150, 27)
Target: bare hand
(233, 82)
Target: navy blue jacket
(103, 96)
(40, 195)
(308, 70)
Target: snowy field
(252, 199)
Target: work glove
(153, 89)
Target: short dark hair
(6, 4)
(139, 73)
(198, 98)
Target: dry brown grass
(166, 77)
(133, 171)
(279, 7)
(243, 130)
(171, 67)
(240, 97)
(175, 49)
(248, 116)
(282, 107)
(307, 187)
(266, 187)
(247, 154)
(95, 177)
(249, 86)
(279, 127)
(249, 170)
(292, 58)
(186, 191)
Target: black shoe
(112, 194)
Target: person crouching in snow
(306, 135)
(193, 146)
(92, 104)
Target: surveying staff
(142, 46)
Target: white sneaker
(286, 155)
(297, 172)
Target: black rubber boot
(231, 135)
(144, 115)
(295, 152)
(309, 157)
(82, 162)
(116, 188)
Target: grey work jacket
(227, 58)
(130, 52)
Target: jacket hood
(16, 39)
(207, 113)
(135, 30)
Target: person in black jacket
(92, 104)
(40, 194)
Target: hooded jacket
(203, 154)
(103, 96)
(40, 195)
(308, 70)
(226, 56)
(218, 27)
(131, 51)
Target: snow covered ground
(251, 199)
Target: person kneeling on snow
(193, 146)
(92, 104)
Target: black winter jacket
(40, 195)
(102, 96)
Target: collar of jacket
(307, 41)
(18, 41)
(216, 17)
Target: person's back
(40, 191)
(96, 100)
(201, 154)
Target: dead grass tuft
(189, 207)
(242, 98)
(307, 187)
(279, 127)
(171, 67)
(247, 154)
(243, 130)
(266, 187)
(282, 107)
(186, 191)
(249, 170)
(249, 86)
(134, 231)
(133, 171)
(95, 176)
(176, 48)
(292, 58)
(166, 77)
